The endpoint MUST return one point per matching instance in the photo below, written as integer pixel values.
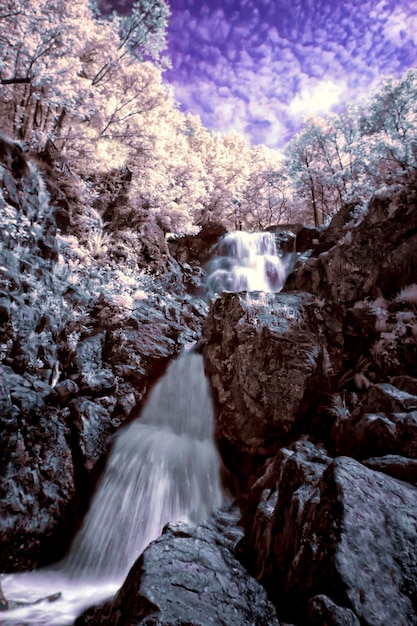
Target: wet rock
(93, 426)
(358, 546)
(405, 383)
(189, 576)
(266, 356)
(285, 240)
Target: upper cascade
(246, 262)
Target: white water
(246, 262)
(163, 467)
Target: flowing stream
(163, 467)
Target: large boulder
(339, 543)
(358, 546)
(189, 576)
(269, 364)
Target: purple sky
(260, 66)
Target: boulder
(275, 500)
(268, 362)
(91, 425)
(396, 466)
(357, 546)
(337, 542)
(189, 576)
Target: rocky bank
(315, 392)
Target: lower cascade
(246, 262)
(163, 467)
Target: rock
(358, 546)
(4, 309)
(322, 610)
(37, 489)
(285, 241)
(405, 383)
(100, 382)
(266, 356)
(189, 576)
(66, 389)
(93, 426)
(375, 256)
(153, 252)
(143, 352)
(88, 355)
(394, 465)
(385, 422)
(196, 250)
(274, 501)
(307, 238)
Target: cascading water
(246, 262)
(163, 467)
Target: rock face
(268, 361)
(329, 518)
(356, 508)
(376, 256)
(189, 576)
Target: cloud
(260, 66)
(317, 97)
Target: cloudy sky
(261, 66)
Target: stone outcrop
(269, 363)
(376, 256)
(189, 576)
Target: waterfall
(163, 467)
(246, 262)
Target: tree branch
(15, 80)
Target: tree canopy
(86, 90)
